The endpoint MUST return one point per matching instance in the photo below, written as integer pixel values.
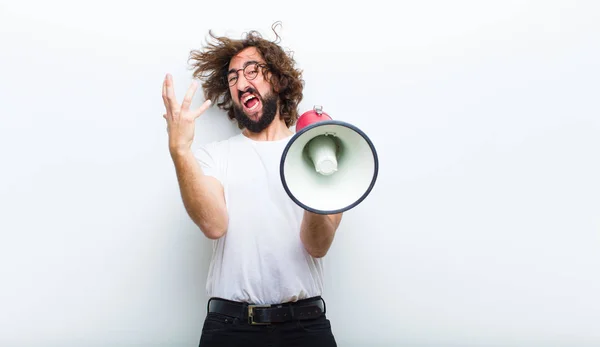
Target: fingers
(168, 95)
(164, 93)
(189, 96)
(202, 108)
(170, 92)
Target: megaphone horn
(328, 166)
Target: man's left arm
(317, 232)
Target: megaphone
(328, 166)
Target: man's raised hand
(180, 119)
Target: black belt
(266, 314)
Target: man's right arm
(202, 195)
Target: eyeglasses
(250, 72)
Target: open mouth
(251, 102)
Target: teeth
(248, 98)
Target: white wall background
(483, 228)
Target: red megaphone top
(313, 116)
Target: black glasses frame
(250, 72)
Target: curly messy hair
(211, 66)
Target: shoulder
(215, 147)
(222, 151)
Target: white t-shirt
(261, 258)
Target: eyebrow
(245, 64)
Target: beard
(269, 109)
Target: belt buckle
(251, 314)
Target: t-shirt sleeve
(208, 159)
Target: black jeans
(220, 330)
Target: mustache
(248, 90)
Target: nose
(242, 82)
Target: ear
(273, 81)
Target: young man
(266, 274)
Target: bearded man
(265, 279)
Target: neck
(277, 130)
